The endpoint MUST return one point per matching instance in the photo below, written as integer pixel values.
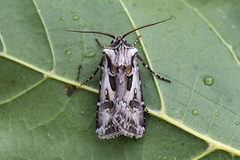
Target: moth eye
(106, 92)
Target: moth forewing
(120, 107)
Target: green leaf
(191, 120)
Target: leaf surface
(191, 120)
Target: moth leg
(70, 88)
(147, 111)
(100, 64)
(79, 72)
(136, 41)
(100, 43)
(155, 74)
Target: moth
(120, 107)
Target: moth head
(118, 39)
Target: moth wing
(129, 114)
(105, 127)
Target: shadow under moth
(120, 107)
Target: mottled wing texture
(105, 127)
(120, 106)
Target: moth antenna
(145, 27)
(97, 32)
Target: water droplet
(89, 55)
(208, 80)
(142, 147)
(173, 139)
(110, 1)
(145, 85)
(195, 112)
(48, 61)
(216, 114)
(178, 69)
(169, 32)
(172, 16)
(48, 135)
(237, 123)
(70, 60)
(72, 10)
(173, 108)
(51, 105)
(164, 138)
(174, 158)
(164, 37)
(68, 52)
(193, 32)
(82, 112)
(75, 17)
(229, 99)
(164, 157)
(62, 18)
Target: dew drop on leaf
(172, 16)
(89, 55)
(62, 18)
(82, 112)
(195, 112)
(173, 108)
(70, 60)
(216, 114)
(208, 80)
(229, 99)
(178, 69)
(75, 17)
(237, 123)
(193, 32)
(68, 52)
(110, 1)
(72, 10)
